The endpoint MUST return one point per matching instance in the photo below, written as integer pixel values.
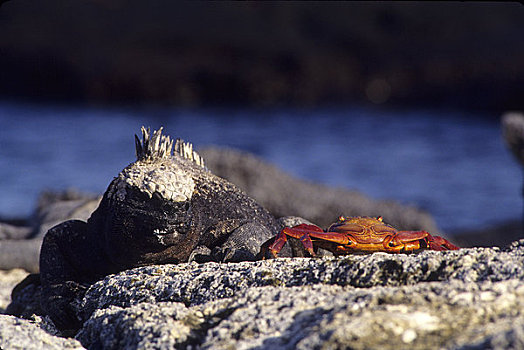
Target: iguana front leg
(243, 244)
(66, 253)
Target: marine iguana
(166, 207)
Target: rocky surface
(471, 298)
(35, 332)
(18, 333)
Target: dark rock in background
(20, 253)
(10, 231)
(55, 207)
(285, 195)
(497, 235)
(20, 245)
(513, 133)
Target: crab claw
(439, 243)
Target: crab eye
(341, 218)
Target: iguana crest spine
(157, 146)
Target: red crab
(357, 235)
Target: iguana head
(147, 207)
(154, 171)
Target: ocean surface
(452, 164)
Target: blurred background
(399, 101)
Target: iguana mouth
(166, 238)
(160, 235)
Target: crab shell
(358, 235)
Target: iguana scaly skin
(166, 207)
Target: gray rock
(513, 133)
(429, 315)
(17, 333)
(9, 231)
(23, 253)
(55, 207)
(194, 284)
(285, 195)
(9, 279)
(20, 245)
(468, 299)
(146, 325)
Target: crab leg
(439, 243)
(335, 237)
(308, 244)
(410, 236)
(433, 242)
(405, 241)
(278, 243)
(300, 232)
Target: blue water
(452, 164)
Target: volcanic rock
(470, 298)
